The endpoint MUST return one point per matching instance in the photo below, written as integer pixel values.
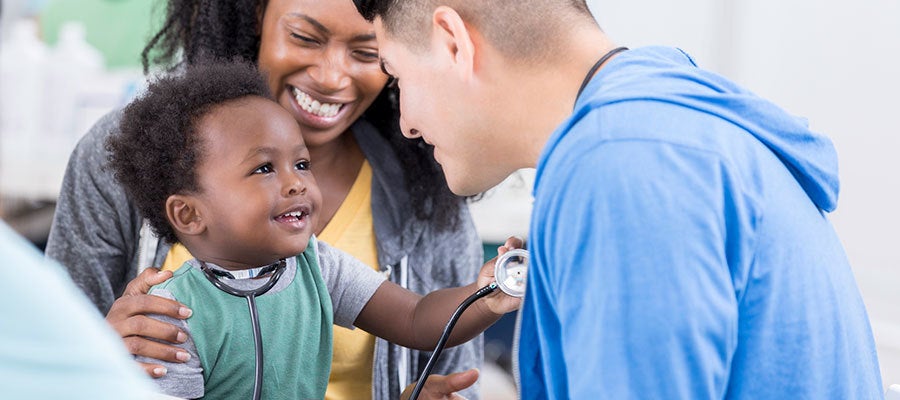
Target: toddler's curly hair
(155, 154)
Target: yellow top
(351, 230)
(176, 257)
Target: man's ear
(184, 213)
(450, 34)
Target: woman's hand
(499, 302)
(443, 387)
(128, 317)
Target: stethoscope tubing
(446, 336)
(250, 295)
(257, 343)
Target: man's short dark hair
(156, 152)
(521, 29)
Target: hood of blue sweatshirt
(647, 74)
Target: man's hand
(443, 387)
(128, 317)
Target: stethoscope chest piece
(511, 272)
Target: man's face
(445, 109)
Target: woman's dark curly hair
(228, 29)
(155, 154)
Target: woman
(385, 200)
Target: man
(679, 243)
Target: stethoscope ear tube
(250, 295)
(257, 344)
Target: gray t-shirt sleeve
(350, 282)
(184, 380)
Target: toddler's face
(259, 197)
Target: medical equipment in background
(510, 276)
(277, 270)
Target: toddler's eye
(264, 169)
(302, 165)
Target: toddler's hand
(499, 302)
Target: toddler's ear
(183, 212)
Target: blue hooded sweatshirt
(680, 248)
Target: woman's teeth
(314, 107)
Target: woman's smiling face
(321, 62)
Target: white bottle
(73, 65)
(22, 61)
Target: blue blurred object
(54, 344)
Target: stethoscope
(510, 273)
(277, 270)
(510, 276)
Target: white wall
(834, 62)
